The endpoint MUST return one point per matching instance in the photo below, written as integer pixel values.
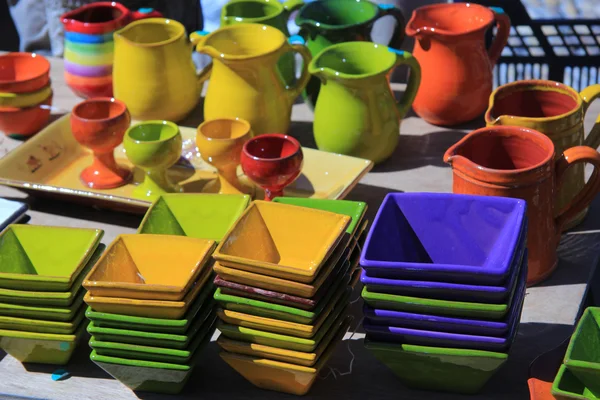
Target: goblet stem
(229, 181)
(105, 162)
(271, 194)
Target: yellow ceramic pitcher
(153, 71)
(245, 81)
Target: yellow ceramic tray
(49, 164)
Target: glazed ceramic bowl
(23, 72)
(280, 376)
(87, 70)
(150, 353)
(583, 354)
(567, 386)
(439, 369)
(22, 100)
(445, 237)
(157, 325)
(25, 121)
(202, 216)
(41, 325)
(41, 348)
(44, 258)
(87, 91)
(50, 313)
(261, 241)
(450, 290)
(286, 327)
(150, 376)
(482, 327)
(154, 339)
(152, 267)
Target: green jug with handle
(356, 113)
(267, 12)
(326, 22)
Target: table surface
(550, 310)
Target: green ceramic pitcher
(267, 12)
(356, 113)
(326, 22)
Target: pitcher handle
(406, 58)
(197, 38)
(146, 12)
(503, 25)
(301, 49)
(572, 156)
(399, 33)
(588, 95)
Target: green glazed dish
(566, 386)
(59, 299)
(159, 325)
(64, 314)
(149, 353)
(149, 376)
(276, 340)
(154, 339)
(44, 258)
(354, 209)
(583, 354)
(435, 307)
(41, 348)
(202, 216)
(437, 368)
(42, 326)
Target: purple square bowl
(448, 290)
(445, 237)
(375, 316)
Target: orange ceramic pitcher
(456, 67)
(510, 161)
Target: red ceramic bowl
(89, 91)
(272, 161)
(25, 121)
(23, 72)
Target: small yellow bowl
(20, 100)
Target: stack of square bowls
(41, 299)
(444, 278)
(284, 276)
(579, 376)
(25, 93)
(151, 309)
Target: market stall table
(551, 308)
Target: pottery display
(522, 163)
(453, 36)
(220, 143)
(555, 110)
(272, 13)
(272, 161)
(153, 71)
(25, 93)
(328, 22)
(89, 45)
(202, 216)
(100, 124)
(244, 62)
(153, 146)
(356, 113)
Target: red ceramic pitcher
(510, 161)
(456, 67)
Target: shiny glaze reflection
(451, 37)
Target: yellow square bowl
(149, 267)
(281, 240)
(149, 308)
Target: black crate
(563, 50)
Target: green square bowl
(44, 258)
(158, 325)
(202, 216)
(149, 376)
(41, 348)
(43, 326)
(566, 386)
(583, 354)
(64, 314)
(154, 339)
(440, 369)
(59, 299)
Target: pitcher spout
(449, 19)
